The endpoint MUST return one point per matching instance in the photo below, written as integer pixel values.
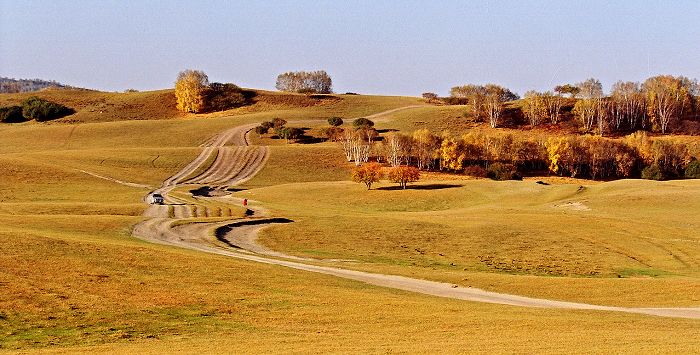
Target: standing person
(245, 202)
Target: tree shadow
(420, 187)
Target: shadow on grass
(420, 187)
(221, 232)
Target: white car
(156, 199)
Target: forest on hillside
(10, 85)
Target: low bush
(475, 171)
(500, 171)
(362, 123)
(11, 114)
(653, 172)
(221, 97)
(278, 122)
(260, 130)
(43, 110)
(333, 134)
(335, 121)
(692, 171)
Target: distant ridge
(10, 85)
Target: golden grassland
(74, 280)
(631, 234)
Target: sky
(372, 47)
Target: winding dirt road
(236, 162)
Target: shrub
(692, 171)
(500, 171)
(335, 121)
(11, 114)
(653, 172)
(43, 110)
(334, 134)
(289, 133)
(475, 171)
(260, 130)
(267, 124)
(278, 123)
(362, 123)
(220, 97)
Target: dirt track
(239, 163)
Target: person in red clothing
(245, 202)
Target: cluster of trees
(280, 129)
(485, 101)
(506, 156)
(34, 108)
(8, 85)
(315, 82)
(658, 104)
(373, 172)
(195, 94)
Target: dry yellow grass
(74, 280)
(627, 236)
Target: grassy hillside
(484, 233)
(97, 106)
(73, 279)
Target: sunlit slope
(484, 233)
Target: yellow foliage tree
(190, 88)
(451, 155)
(555, 147)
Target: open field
(74, 279)
(517, 237)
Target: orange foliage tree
(404, 174)
(367, 174)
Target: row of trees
(658, 104)
(504, 155)
(195, 94)
(370, 173)
(315, 82)
(9, 85)
(280, 129)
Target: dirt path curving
(234, 165)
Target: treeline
(315, 82)
(8, 85)
(507, 156)
(659, 104)
(34, 108)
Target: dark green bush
(500, 171)
(260, 130)
(692, 171)
(653, 172)
(362, 123)
(11, 114)
(335, 121)
(220, 97)
(43, 110)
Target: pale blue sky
(382, 47)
